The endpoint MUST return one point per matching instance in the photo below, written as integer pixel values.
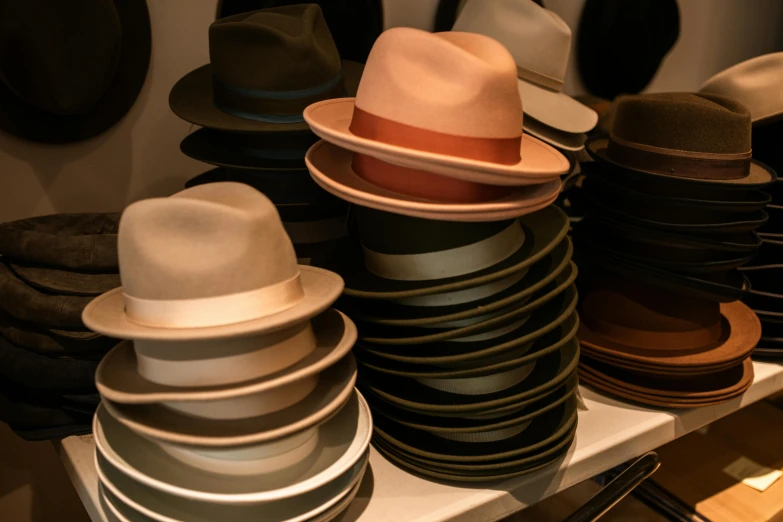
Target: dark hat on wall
(355, 24)
(265, 68)
(620, 44)
(662, 135)
(70, 70)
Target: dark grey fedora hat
(70, 70)
(21, 367)
(54, 342)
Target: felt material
(550, 372)
(65, 281)
(70, 71)
(411, 335)
(54, 342)
(544, 230)
(28, 304)
(537, 276)
(354, 24)
(257, 60)
(729, 287)
(620, 45)
(86, 242)
(20, 367)
(754, 83)
(236, 234)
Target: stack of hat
(756, 84)
(540, 42)
(233, 397)
(51, 267)
(266, 67)
(460, 276)
(674, 199)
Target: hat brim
(556, 109)
(550, 372)
(192, 99)
(157, 422)
(393, 314)
(65, 281)
(544, 230)
(343, 441)
(203, 146)
(25, 121)
(118, 379)
(759, 176)
(331, 119)
(331, 167)
(675, 371)
(742, 331)
(106, 313)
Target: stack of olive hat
(266, 67)
(674, 200)
(458, 271)
(51, 267)
(756, 84)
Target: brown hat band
(505, 151)
(681, 164)
(273, 106)
(421, 184)
(652, 340)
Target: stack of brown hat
(233, 397)
(51, 267)
(756, 84)
(674, 200)
(266, 67)
(459, 274)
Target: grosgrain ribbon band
(505, 151)
(273, 106)
(480, 385)
(453, 262)
(651, 340)
(422, 184)
(215, 311)
(540, 79)
(485, 436)
(681, 164)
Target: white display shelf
(609, 433)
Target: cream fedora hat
(755, 83)
(540, 42)
(212, 261)
(441, 106)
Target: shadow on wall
(33, 484)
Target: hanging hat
(471, 136)
(648, 325)
(246, 281)
(540, 42)
(662, 135)
(70, 70)
(355, 24)
(755, 83)
(265, 68)
(620, 44)
(401, 257)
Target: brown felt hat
(662, 134)
(648, 325)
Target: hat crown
(59, 56)
(538, 39)
(677, 121)
(754, 83)
(456, 83)
(207, 241)
(278, 49)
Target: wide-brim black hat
(21, 119)
(543, 231)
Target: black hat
(70, 70)
(355, 24)
(265, 68)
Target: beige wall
(140, 158)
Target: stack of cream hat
(461, 282)
(233, 397)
